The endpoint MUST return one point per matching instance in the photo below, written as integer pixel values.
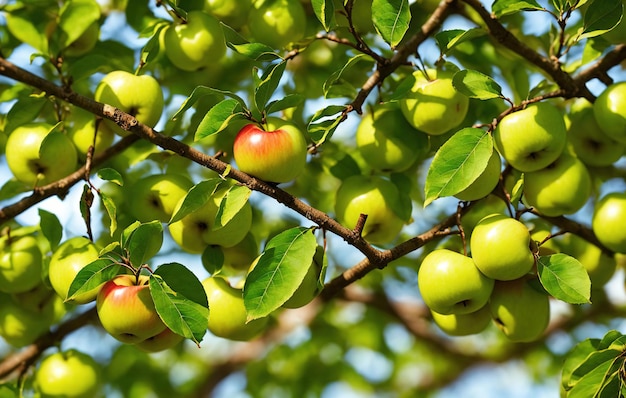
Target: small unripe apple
(599, 265)
(450, 283)
(610, 111)
(277, 23)
(69, 374)
(275, 154)
(155, 197)
(160, 342)
(126, 309)
(463, 324)
(20, 264)
(607, 221)
(19, 325)
(433, 105)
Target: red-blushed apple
(69, 374)
(126, 309)
(450, 283)
(274, 154)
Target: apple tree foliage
(321, 66)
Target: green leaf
(28, 25)
(279, 271)
(143, 242)
(111, 210)
(457, 163)
(599, 368)
(183, 281)
(506, 7)
(213, 259)
(203, 91)
(575, 358)
(112, 175)
(565, 278)
(255, 51)
(474, 84)
(448, 39)
(288, 101)
(391, 19)
(23, 111)
(218, 118)
(179, 313)
(93, 275)
(195, 198)
(324, 11)
(336, 86)
(51, 228)
(74, 19)
(232, 202)
(12, 188)
(601, 16)
(324, 123)
(268, 85)
(86, 201)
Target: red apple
(126, 309)
(276, 154)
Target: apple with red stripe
(276, 153)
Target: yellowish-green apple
(274, 153)
(66, 261)
(155, 197)
(387, 141)
(500, 247)
(610, 111)
(138, 95)
(450, 283)
(227, 312)
(376, 197)
(38, 154)
(486, 181)
(196, 42)
(21, 264)
(562, 187)
(21, 326)
(194, 232)
(69, 374)
(433, 105)
(463, 324)
(532, 138)
(600, 266)
(126, 309)
(233, 13)
(82, 131)
(480, 209)
(519, 310)
(607, 221)
(277, 22)
(160, 342)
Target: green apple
(600, 266)
(160, 342)
(480, 209)
(607, 221)
(137, 95)
(194, 232)
(21, 326)
(433, 105)
(376, 197)
(463, 324)
(591, 145)
(20, 264)
(563, 187)
(500, 247)
(126, 309)
(82, 130)
(540, 229)
(486, 181)
(277, 22)
(610, 111)
(450, 283)
(532, 138)
(195, 43)
(519, 310)
(66, 261)
(227, 314)
(155, 197)
(37, 154)
(85, 43)
(233, 13)
(387, 141)
(276, 153)
(68, 374)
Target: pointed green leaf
(195, 198)
(324, 11)
(574, 359)
(203, 91)
(565, 278)
(324, 123)
(93, 275)
(448, 39)
(179, 313)
(108, 174)
(289, 101)
(458, 163)
(255, 51)
(144, 242)
(279, 271)
(233, 201)
(336, 86)
(391, 19)
(51, 228)
(218, 117)
(601, 365)
(601, 16)
(23, 111)
(506, 7)
(183, 281)
(111, 210)
(476, 85)
(268, 85)
(74, 19)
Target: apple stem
(360, 224)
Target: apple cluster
(465, 294)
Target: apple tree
(312, 197)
